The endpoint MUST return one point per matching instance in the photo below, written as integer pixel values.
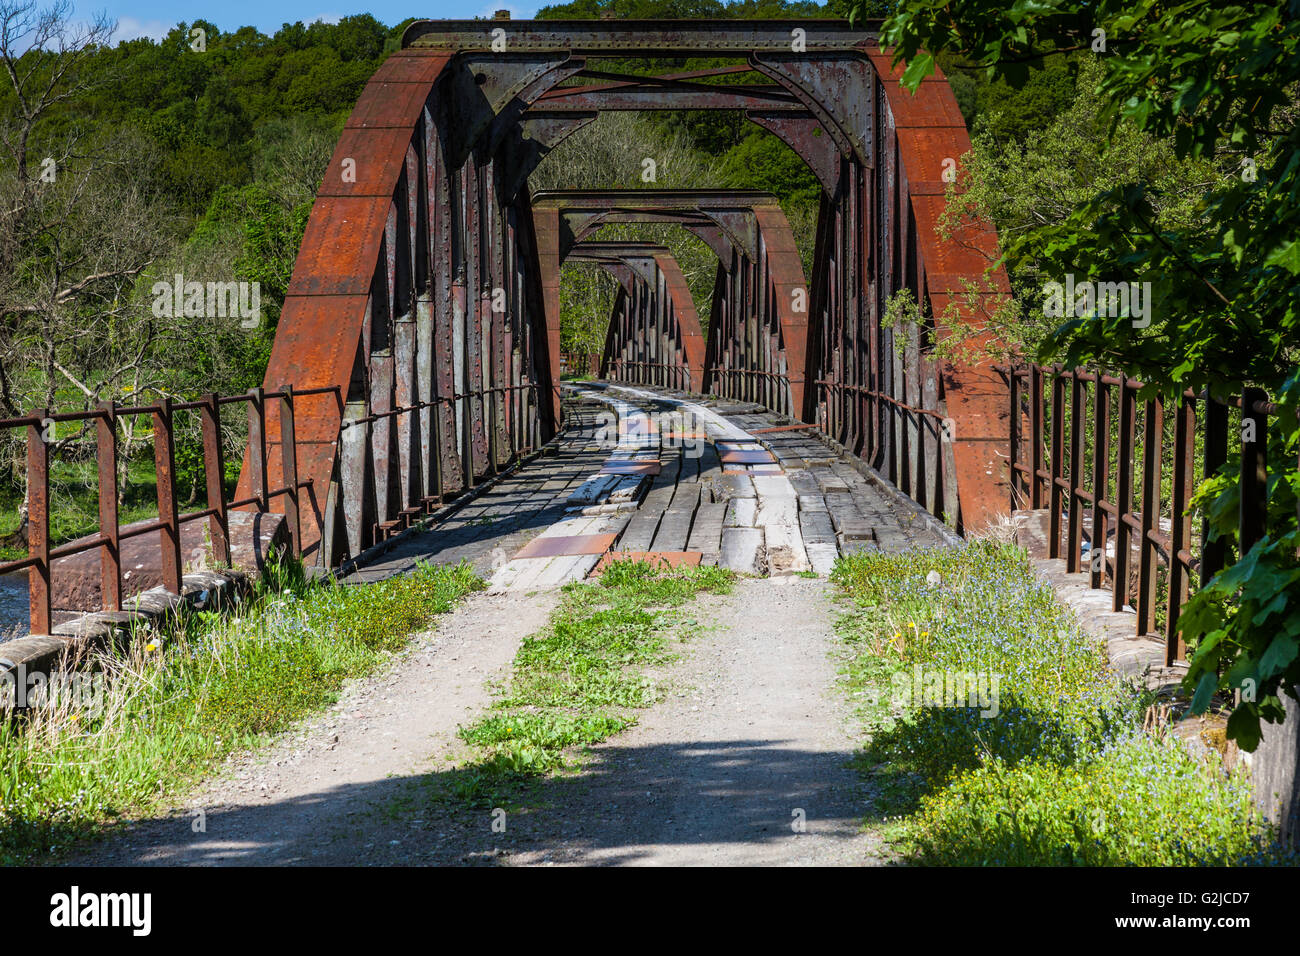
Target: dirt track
(752, 738)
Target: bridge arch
(422, 289)
(758, 327)
(654, 331)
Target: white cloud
(325, 18)
(129, 28)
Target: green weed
(175, 705)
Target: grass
(1062, 773)
(580, 680)
(174, 706)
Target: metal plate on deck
(781, 428)
(741, 456)
(627, 466)
(554, 546)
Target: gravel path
(335, 791)
(749, 746)
(753, 739)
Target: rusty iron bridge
(426, 291)
(417, 360)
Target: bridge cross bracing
(427, 289)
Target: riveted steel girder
(756, 344)
(654, 333)
(668, 96)
(669, 38)
(425, 294)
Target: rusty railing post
(1181, 525)
(1013, 435)
(289, 470)
(164, 456)
(1152, 457)
(1036, 463)
(214, 470)
(1074, 499)
(110, 554)
(1057, 470)
(493, 443)
(438, 466)
(38, 522)
(1100, 479)
(1254, 469)
(1124, 493)
(257, 444)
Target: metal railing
(768, 388)
(1079, 459)
(669, 375)
(41, 555)
(110, 535)
(580, 363)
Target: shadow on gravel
(628, 804)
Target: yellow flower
(151, 647)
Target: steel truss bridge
(421, 332)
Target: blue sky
(153, 18)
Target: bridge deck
(700, 480)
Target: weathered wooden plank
(816, 527)
(687, 497)
(736, 486)
(803, 483)
(674, 530)
(706, 531)
(741, 512)
(853, 529)
(892, 540)
(822, 556)
(640, 531)
(594, 489)
(779, 519)
(743, 551)
(772, 486)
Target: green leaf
(1205, 689)
(1281, 652)
(920, 66)
(1243, 727)
(1288, 257)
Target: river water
(14, 608)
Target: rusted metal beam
(427, 274)
(38, 521)
(624, 97)
(670, 38)
(670, 305)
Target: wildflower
(151, 647)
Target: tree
(1217, 82)
(81, 217)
